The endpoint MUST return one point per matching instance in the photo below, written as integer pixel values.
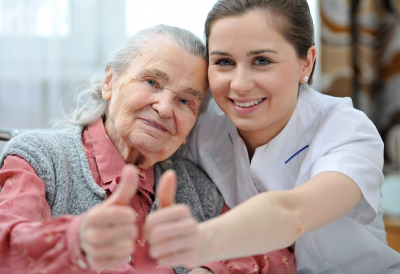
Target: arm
(32, 242)
(275, 262)
(266, 222)
(281, 216)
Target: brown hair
(298, 29)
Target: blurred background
(49, 49)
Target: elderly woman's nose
(242, 81)
(164, 105)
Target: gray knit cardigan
(59, 159)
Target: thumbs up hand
(108, 231)
(171, 231)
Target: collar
(109, 161)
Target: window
(186, 14)
(35, 18)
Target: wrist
(208, 248)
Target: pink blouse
(32, 242)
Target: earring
(306, 79)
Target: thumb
(127, 187)
(167, 188)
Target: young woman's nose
(164, 105)
(242, 81)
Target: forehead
(251, 29)
(171, 63)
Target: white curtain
(50, 48)
(41, 65)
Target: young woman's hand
(108, 231)
(171, 231)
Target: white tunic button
(129, 258)
(82, 264)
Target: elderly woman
(54, 215)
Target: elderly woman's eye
(151, 82)
(184, 101)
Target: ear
(307, 64)
(106, 88)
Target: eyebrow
(161, 74)
(220, 53)
(156, 73)
(194, 92)
(253, 52)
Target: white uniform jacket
(324, 134)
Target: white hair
(90, 103)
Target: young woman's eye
(223, 62)
(262, 61)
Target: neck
(257, 138)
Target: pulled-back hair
(90, 103)
(296, 27)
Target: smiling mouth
(248, 104)
(155, 125)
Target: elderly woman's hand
(171, 231)
(108, 231)
(200, 270)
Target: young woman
(300, 168)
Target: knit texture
(59, 159)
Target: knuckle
(184, 209)
(191, 224)
(157, 231)
(92, 236)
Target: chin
(149, 147)
(246, 125)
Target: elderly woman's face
(154, 105)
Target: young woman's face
(254, 73)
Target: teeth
(248, 104)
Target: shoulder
(323, 103)
(322, 114)
(37, 146)
(335, 111)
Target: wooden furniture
(392, 226)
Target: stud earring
(306, 79)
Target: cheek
(184, 124)
(218, 82)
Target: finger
(167, 188)
(100, 265)
(174, 246)
(127, 187)
(170, 231)
(107, 236)
(116, 249)
(110, 216)
(169, 214)
(200, 270)
(187, 259)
